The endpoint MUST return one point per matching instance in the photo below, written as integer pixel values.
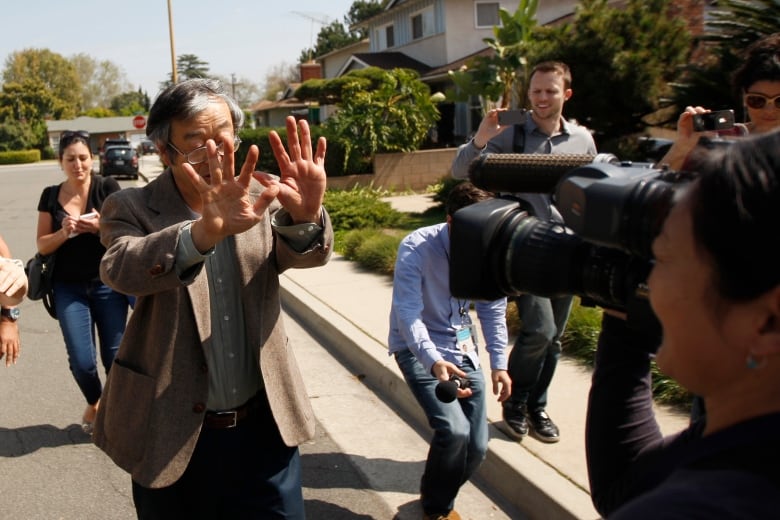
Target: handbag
(40, 271)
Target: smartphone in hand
(512, 117)
(713, 121)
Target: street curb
(515, 474)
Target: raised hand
(227, 209)
(303, 179)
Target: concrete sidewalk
(348, 308)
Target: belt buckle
(228, 413)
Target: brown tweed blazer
(154, 400)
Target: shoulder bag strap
(518, 143)
(54, 192)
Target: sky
(247, 38)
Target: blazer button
(199, 408)
(156, 270)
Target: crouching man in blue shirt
(433, 338)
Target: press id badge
(465, 338)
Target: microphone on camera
(527, 172)
(447, 391)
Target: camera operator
(757, 82)
(433, 339)
(536, 351)
(715, 289)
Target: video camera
(611, 211)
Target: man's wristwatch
(12, 313)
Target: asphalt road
(365, 461)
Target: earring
(754, 364)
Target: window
(487, 14)
(385, 37)
(422, 24)
(417, 27)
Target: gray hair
(183, 101)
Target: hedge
(334, 157)
(20, 157)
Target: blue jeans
(536, 351)
(83, 307)
(460, 435)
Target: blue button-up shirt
(424, 316)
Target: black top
(78, 259)
(636, 473)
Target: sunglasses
(68, 134)
(758, 101)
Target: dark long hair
(736, 215)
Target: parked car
(119, 161)
(120, 141)
(146, 147)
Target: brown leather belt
(230, 418)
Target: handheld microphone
(447, 391)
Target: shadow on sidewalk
(18, 442)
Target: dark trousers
(536, 351)
(245, 472)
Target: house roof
(443, 70)
(93, 125)
(384, 60)
(290, 103)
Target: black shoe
(516, 420)
(542, 427)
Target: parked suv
(115, 142)
(147, 147)
(119, 161)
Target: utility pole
(174, 72)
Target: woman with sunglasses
(758, 82)
(69, 225)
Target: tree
(23, 109)
(53, 71)
(16, 136)
(100, 81)
(337, 35)
(188, 66)
(729, 29)
(278, 78)
(622, 61)
(130, 103)
(502, 76)
(243, 90)
(331, 37)
(378, 110)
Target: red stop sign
(139, 121)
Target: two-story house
(434, 37)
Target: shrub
(20, 157)
(348, 243)
(360, 208)
(378, 251)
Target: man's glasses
(199, 155)
(759, 101)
